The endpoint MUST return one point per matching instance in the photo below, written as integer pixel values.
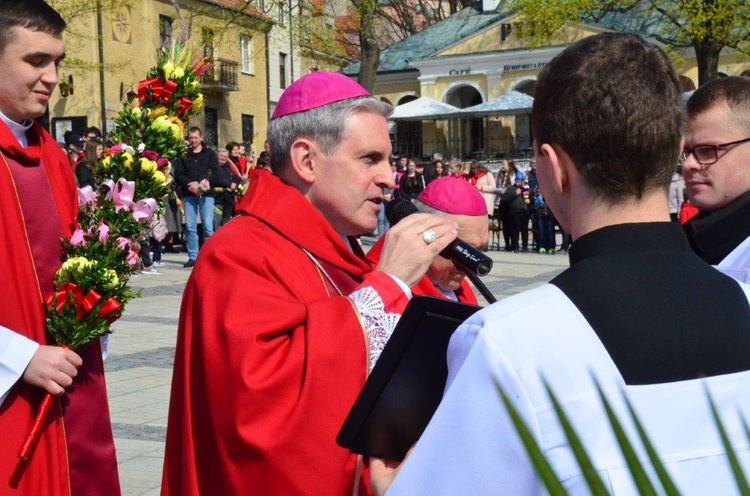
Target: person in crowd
(92, 132)
(196, 173)
(38, 206)
(614, 314)
(462, 203)
(258, 394)
(238, 158)
(85, 167)
(481, 178)
(676, 195)
(458, 169)
(225, 197)
(264, 163)
(74, 145)
(517, 197)
(545, 225)
(532, 186)
(411, 182)
(503, 182)
(383, 224)
(715, 166)
(440, 170)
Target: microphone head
(398, 209)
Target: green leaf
(539, 461)
(595, 483)
(640, 477)
(739, 475)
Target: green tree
(708, 26)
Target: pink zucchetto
(455, 196)
(315, 90)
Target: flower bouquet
(91, 287)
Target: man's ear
(303, 159)
(558, 162)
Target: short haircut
(221, 150)
(324, 125)
(34, 15)
(732, 90)
(232, 144)
(613, 103)
(195, 129)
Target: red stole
(29, 228)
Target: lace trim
(379, 325)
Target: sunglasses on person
(708, 154)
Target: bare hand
(52, 368)
(405, 254)
(382, 473)
(194, 188)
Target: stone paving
(141, 355)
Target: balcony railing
(222, 76)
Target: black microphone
(462, 254)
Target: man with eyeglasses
(716, 166)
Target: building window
(165, 32)
(282, 70)
(248, 128)
(246, 54)
(211, 133)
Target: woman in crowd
(440, 170)
(458, 169)
(87, 165)
(411, 183)
(484, 181)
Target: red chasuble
(38, 204)
(269, 358)
(425, 286)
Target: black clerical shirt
(661, 312)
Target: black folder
(406, 385)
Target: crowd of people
(649, 307)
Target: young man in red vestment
(270, 360)
(38, 206)
(464, 204)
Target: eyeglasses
(708, 154)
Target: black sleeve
(181, 176)
(84, 177)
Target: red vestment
(77, 435)
(425, 286)
(269, 358)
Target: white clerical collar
(450, 294)
(18, 130)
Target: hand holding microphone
(464, 256)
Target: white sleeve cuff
(16, 352)
(378, 323)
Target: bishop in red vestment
(463, 203)
(282, 317)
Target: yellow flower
(127, 160)
(106, 162)
(168, 69)
(159, 177)
(136, 111)
(197, 102)
(110, 279)
(147, 165)
(161, 123)
(153, 114)
(77, 264)
(180, 127)
(178, 72)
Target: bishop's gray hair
(324, 125)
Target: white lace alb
(379, 324)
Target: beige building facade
(477, 56)
(108, 53)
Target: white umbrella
(511, 103)
(423, 109)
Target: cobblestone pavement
(141, 355)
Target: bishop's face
(29, 73)
(348, 183)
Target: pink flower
(122, 242)
(150, 154)
(132, 258)
(117, 148)
(103, 232)
(162, 163)
(77, 238)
